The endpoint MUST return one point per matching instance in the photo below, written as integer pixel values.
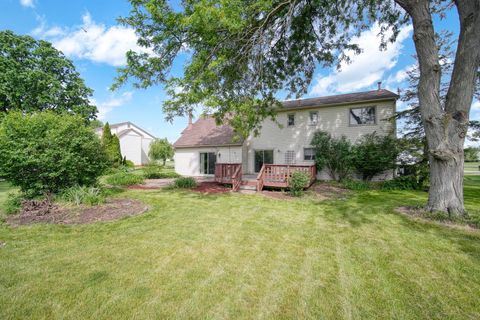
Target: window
(207, 162)
(291, 120)
(362, 116)
(308, 154)
(289, 157)
(313, 119)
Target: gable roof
(131, 127)
(205, 133)
(366, 96)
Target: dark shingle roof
(205, 132)
(381, 94)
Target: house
(203, 144)
(134, 141)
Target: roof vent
(379, 83)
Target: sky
(87, 32)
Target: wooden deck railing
(230, 173)
(277, 175)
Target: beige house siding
(187, 160)
(334, 120)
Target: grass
(246, 256)
(472, 166)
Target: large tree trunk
(446, 125)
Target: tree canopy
(161, 149)
(36, 77)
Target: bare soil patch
(52, 213)
(321, 191)
(211, 187)
(418, 214)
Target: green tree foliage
(374, 154)
(471, 154)
(46, 152)
(334, 155)
(161, 149)
(36, 77)
(111, 144)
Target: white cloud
(92, 41)
(27, 3)
(105, 107)
(476, 105)
(366, 68)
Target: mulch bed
(44, 212)
(211, 187)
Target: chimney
(379, 83)
(190, 124)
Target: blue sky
(87, 32)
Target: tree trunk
(446, 185)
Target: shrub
(374, 154)
(83, 195)
(358, 185)
(13, 203)
(128, 163)
(45, 152)
(334, 155)
(402, 183)
(297, 182)
(185, 183)
(124, 179)
(153, 171)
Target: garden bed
(212, 187)
(45, 212)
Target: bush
(83, 195)
(124, 179)
(374, 154)
(358, 185)
(45, 153)
(185, 183)
(153, 171)
(297, 182)
(334, 155)
(402, 183)
(128, 163)
(13, 203)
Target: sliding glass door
(207, 162)
(263, 157)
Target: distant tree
(161, 149)
(471, 154)
(46, 152)
(111, 144)
(36, 77)
(96, 124)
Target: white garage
(134, 141)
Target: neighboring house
(203, 143)
(134, 141)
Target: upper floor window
(313, 118)
(362, 116)
(291, 120)
(308, 154)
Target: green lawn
(246, 257)
(472, 166)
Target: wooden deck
(271, 175)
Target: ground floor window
(308, 154)
(207, 162)
(263, 157)
(289, 157)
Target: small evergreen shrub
(124, 179)
(185, 183)
(83, 195)
(13, 203)
(297, 182)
